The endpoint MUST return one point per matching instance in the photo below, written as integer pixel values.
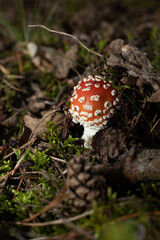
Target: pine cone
(83, 184)
(109, 143)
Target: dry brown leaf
(10, 122)
(62, 61)
(37, 125)
(58, 118)
(34, 127)
(66, 62)
(134, 60)
(155, 97)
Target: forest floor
(51, 186)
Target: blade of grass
(9, 28)
(52, 12)
(22, 18)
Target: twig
(80, 231)
(13, 87)
(20, 160)
(19, 60)
(9, 173)
(21, 147)
(18, 164)
(15, 114)
(59, 198)
(4, 70)
(152, 129)
(135, 215)
(65, 236)
(57, 159)
(21, 179)
(68, 35)
(58, 221)
(78, 74)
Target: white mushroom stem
(88, 133)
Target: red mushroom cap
(93, 102)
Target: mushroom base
(88, 133)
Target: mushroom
(92, 104)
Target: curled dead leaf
(134, 60)
(155, 97)
(34, 127)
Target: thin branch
(68, 35)
(59, 198)
(136, 215)
(11, 172)
(13, 87)
(21, 147)
(57, 159)
(14, 115)
(66, 236)
(58, 221)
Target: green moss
(39, 158)
(5, 166)
(5, 203)
(17, 203)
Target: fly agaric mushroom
(92, 104)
